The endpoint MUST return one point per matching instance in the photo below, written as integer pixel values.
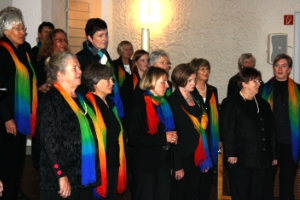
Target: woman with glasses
(55, 41)
(99, 80)
(247, 128)
(18, 106)
(160, 58)
(208, 97)
(151, 133)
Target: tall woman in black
(248, 133)
(190, 155)
(151, 130)
(18, 106)
(208, 97)
(99, 80)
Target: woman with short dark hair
(191, 155)
(99, 80)
(248, 134)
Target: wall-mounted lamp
(150, 12)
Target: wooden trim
(221, 195)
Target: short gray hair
(9, 17)
(155, 55)
(56, 63)
(243, 57)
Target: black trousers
(205, 183)
(246, 184)
(154, 186)
(287, 174)
(12, 158)
(76, 194)
(187, 187)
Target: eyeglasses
(109, 80)
(165, 63)
(62, 40)
(20, 29)
(257, 81)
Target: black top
(112, 131)
(246, 134)
(188, 136)
(41, 74)
(60, 137)
(209, 91)
(87, 56)
(35, 53)
(281, 111)
(7, 76)
(148, 154)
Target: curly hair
(47, 48)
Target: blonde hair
(150, 77)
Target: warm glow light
(150, 11)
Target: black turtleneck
(281, 112)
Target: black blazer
(188, 137)
(246, 134)
(210, 90)
(147, 151)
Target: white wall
(216, 30)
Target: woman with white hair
(18, 107)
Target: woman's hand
(232, 160)
(65, 187)
(172, 137)
(274, 162)
(179, 174)
(11, 127)
(1, 188)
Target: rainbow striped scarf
(135, 80)
(163, 113)
(100, 129)
(116, 95)
(168, 92)
(214, 128)
(122, 75)
(294, 111)
(202, 156)
(88, 149)
(25, 105)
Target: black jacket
(147, 151)
(246, 134)
(210, 90)
(60, 137)
(7, 77)
(188, 136)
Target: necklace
(188, 98)
(254, 100)
(203, 91)
(85, 108)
